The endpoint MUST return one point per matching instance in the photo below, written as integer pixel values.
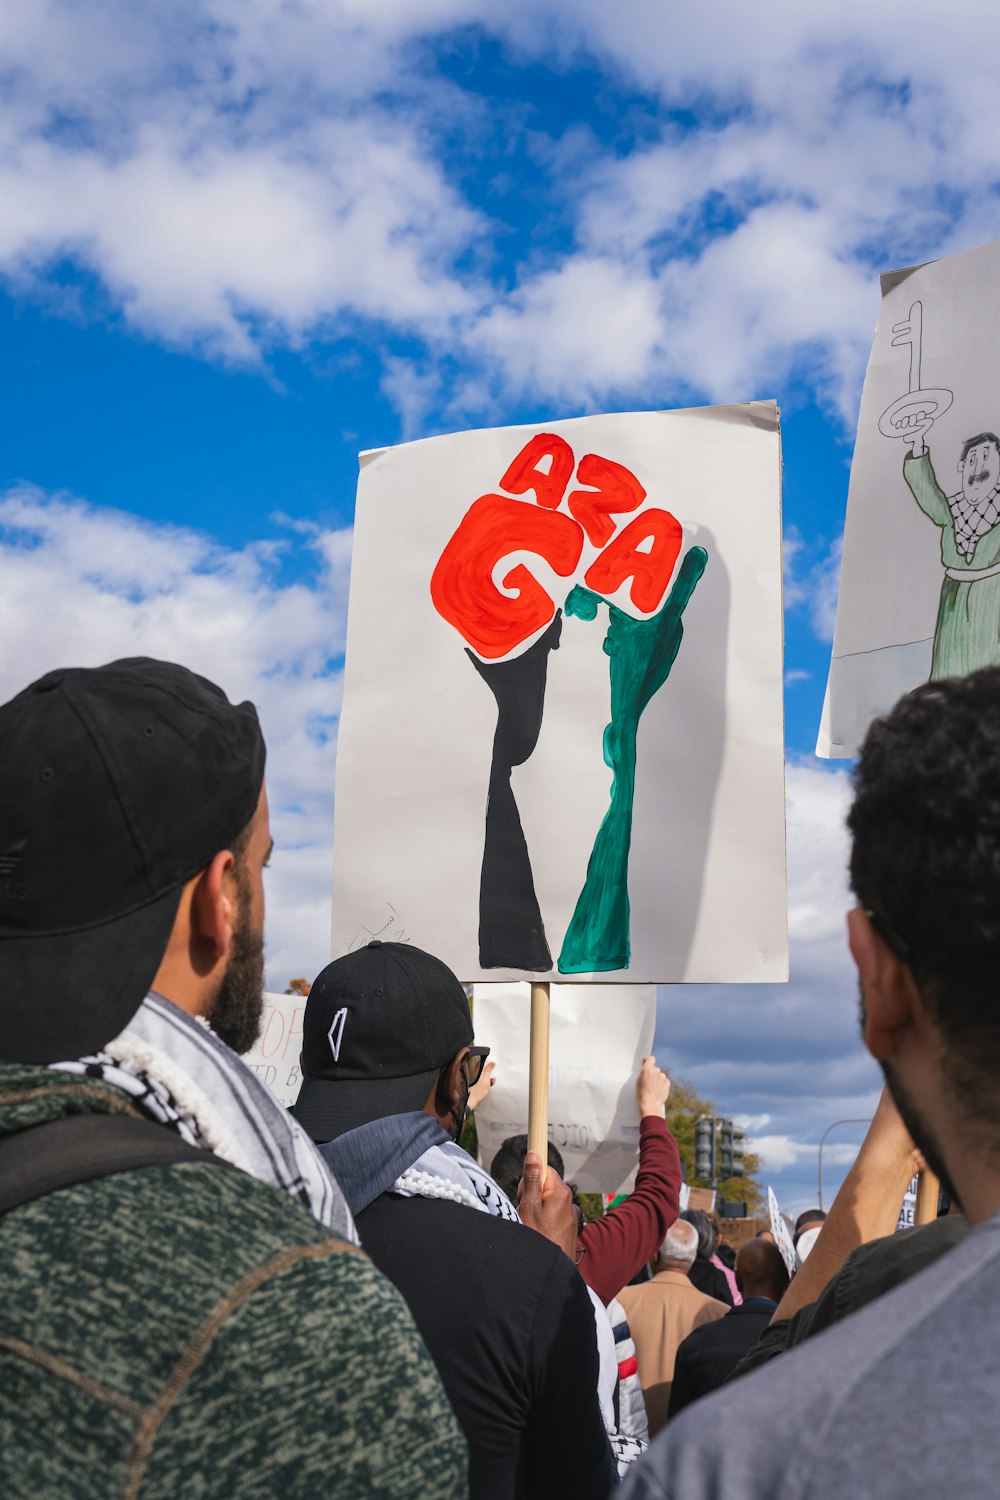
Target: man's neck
(978, 1187)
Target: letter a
(650, 571)
(524, 473)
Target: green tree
(683, 1108)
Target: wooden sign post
(538, 1075)
(927, 1198)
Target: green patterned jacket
(185, 1332)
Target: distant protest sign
(908, 1209)
(782, 1233)
(697, 1197)
(560, 750)
(920, 578)
(275, 1058)
(593, 1114)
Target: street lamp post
(821, 1141)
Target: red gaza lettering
(650, 571)
(524, 473)
(616, 490)
(462, 585)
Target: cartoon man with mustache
(967, 632)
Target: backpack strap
(80, 1147)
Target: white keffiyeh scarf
(448, 1172)
(178, 1073)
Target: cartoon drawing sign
(921, 600)
(546, 756)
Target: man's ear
(214, 911)
(886, 986)
(453, 1081)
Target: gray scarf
(413, 1156)
(178, 1073)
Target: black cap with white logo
(379, 1026)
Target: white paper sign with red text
(275, 1058)
(560, 751)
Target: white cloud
(412, 392)
(787, 1060)
(812, 584)
(224, 171)
(792, 591)
(778, 1152)
(825, 591)
(242, 174)
(576, 333)
(810, 157)
(817, 802)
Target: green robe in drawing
(967, 633)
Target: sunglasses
(474, 1062)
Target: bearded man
(967, 632)
(170, 1325)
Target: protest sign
(560, 750)
(698, 1197)
(275, 1058)
(907, 1212)
(920, 578)
(593, 1115)
(782, 1233)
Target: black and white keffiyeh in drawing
(178, 1073)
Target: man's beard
(239, 1005)
(925, 1141)
(909, 1113)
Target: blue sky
(241, 240)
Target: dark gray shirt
(895, 1401)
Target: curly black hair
(925, 861)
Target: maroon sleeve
(620, 1243)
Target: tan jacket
(660, 1314)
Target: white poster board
(593, 1114)
(275, 1058)
(782, 1233)
(920, 580)
(514, 592)
(908, 1209)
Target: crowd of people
(207, 1295)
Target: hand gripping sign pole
(538, 1075)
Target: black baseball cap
(117, 784)
(380, 1024)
